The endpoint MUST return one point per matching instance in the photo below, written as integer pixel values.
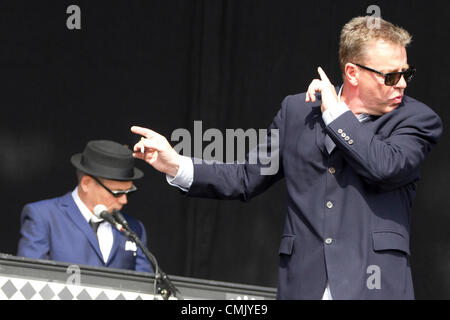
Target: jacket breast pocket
(390, 240)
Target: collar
(339, 94)
(86, 213)
(362, 116)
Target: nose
(123, 200)
(401, 84)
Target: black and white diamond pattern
(9, 289)
(46, 293)
(65, 294)
(28, 289)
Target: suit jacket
(348, 212)
(55, 229)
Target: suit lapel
(71, 210)
(320, 134)
(115, 246)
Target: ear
(352, 74)
(85, 183)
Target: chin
(392, 107)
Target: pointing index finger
(323, 76)
(143, 131)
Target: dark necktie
(95, 225)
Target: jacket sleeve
(34, 234)
(388, 161)
(262, 168)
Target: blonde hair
(358, 33)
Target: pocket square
(130, 246)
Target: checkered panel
(27, 289)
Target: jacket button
(350, 142)
(332, 170)
(340, 131)
(328, 241)
(329, 204)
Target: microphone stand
(166, 287)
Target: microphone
(101, 212)
(121, 219)
(118, 221)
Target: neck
(84, 198)
(351, 98)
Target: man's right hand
(325, 87)
(157, 151)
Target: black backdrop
(164, 64)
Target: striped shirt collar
(362, 116)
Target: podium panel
(33, 279)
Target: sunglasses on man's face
(392, 78)
(115, 193)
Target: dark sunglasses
(392, 78)
(115, 193)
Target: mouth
(397, 99)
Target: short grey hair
(359, 33)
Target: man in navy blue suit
(66, 228)
(350, 159)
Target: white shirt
(185, 174)
(333, 112)
(104, 231)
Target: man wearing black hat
(66, 229)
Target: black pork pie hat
(107, 159)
